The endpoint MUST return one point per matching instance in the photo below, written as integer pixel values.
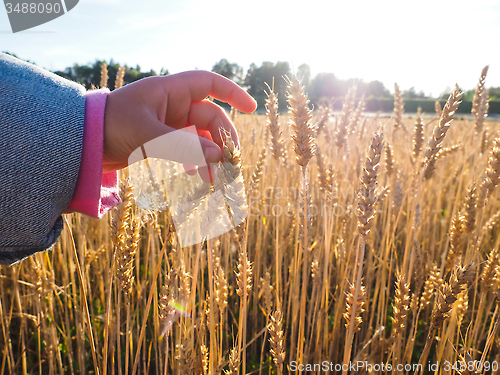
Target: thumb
(211, 150)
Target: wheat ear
(480, 102)
(277, 147)
(470, 210)
(437, 108)
(366, 195)
(389, 160)
(418, 138)
(324, 175)
(354, 307)
(325, 112)
(487, 276)
(104, 75)
(257, 173)
(401, 305)
(276, 338)
(476, 102)
(447, 295)
(266, 291)
(449, 292)
(429, 286)
(398, 108)
(126, 257)
(119, 77)
(233, 187)
(343, 122)
(456, 241)
(354, 122)
(301, 122)
(492, 175)
(234, 362)
(435, 143)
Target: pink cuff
(95, 193)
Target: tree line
(322, 88)
(326, 87)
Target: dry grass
(350, 255)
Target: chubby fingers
(209, 116)
(201, 84)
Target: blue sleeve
(41, 132)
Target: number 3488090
(32, 8)
(472, 366)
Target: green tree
(89, 75)
(257, 77)
(376, 89)
(17, 57)
(494, 93)
(324, 86)
(304, 74)
(410, 93)
(229, 70)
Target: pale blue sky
(428, 44)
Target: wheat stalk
(304, 148)
(365, 213)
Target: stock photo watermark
(277, 201)
(367, 367)
(24, 15)
(200, 210)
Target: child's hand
(155, 106)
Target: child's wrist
(95, 193)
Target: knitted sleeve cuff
(95, 193)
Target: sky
(427, 44)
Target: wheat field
(367, 243)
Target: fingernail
(212, 155)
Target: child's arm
(41, 130)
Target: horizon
(392, 42)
